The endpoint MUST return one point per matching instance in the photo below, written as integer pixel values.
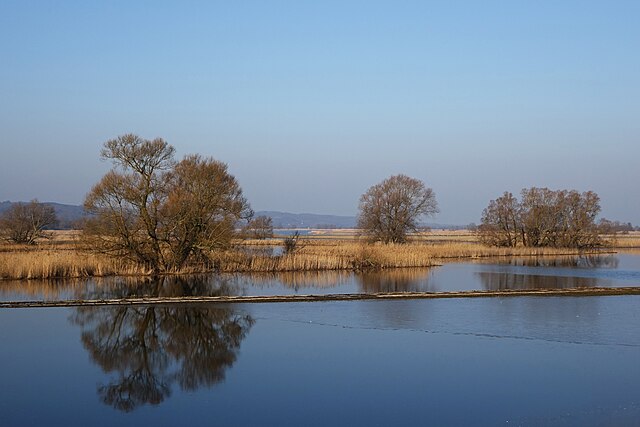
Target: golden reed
(48, 261)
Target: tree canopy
(260, 227)
(26, 222)
(161, 212)
(391, 209)
(542, 217)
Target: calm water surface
(560, 361)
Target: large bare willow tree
(158, 212)
(391, 209)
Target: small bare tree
(260, 227)
(26, 222)
(391, 209)
(501, 224)
(290, 244)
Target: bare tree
(26, 222)
(291, 243)
(501, 222)
(260, 227)
(542, 218)
(613, 227)
(159, 212)
(391, 209)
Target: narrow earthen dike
(330, 297)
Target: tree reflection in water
(582, 261)
(170, 286)
(494, 281)
(151, 348)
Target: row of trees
(542, 217)
(166, 214)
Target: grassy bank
(61, 257)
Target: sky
(312, 102)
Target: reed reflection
(49, 289)
(150, 349)
(297, 280)
(395, 280)
(122, 287)
(582, 261)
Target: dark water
(618, 270)
(559, 361)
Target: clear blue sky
(312, 102)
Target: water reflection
(396, 280)
(121, 287)
(391, 280)
(297, 280)
(149, 349)
(545, 273)
(51, 289)
(582, 261)
(495, 281)
(168, 286)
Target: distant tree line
(167, 214)
(542, 218)
(613, 227)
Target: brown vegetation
(26, 222)
(542, 218)
(159, 213)
(63, 257)
(392, 209)
(47, 263)
(260, 228)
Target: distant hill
(308, 220)
(68, 215)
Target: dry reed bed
(631, 240)
(316, 255)
(48, 261)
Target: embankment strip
(329, 297)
